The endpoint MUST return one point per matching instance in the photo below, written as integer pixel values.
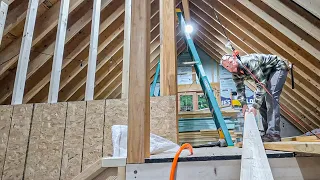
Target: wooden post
(93, 52)
(168, 53)
(58, 52)
(139, 87)
(185, 4)
(24, 55)
(126, 50)
(3, 14)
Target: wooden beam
(24, 55)
(280, 27)
(310, 5)
(139, 87)
(292, 146)
(186, 11)
(294, 18)
(58, 52)
(126, 50)
(3, 16)
(93, 51)
(168, 53)
(254, 161)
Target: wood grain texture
(93, 138)
(46, 141)
(168, 52)
(139, 86)
(73, 141)
(5, 121)
(292, 146)
(18, 142)
(254, 162)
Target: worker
(271, 71)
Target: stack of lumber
(197, 124)
(202, 137)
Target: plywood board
(18, 142)
(162, 112)
(73, 141)
(46, 141)
(93, 138)
(5, 121)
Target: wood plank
(5, 124)
(3, 16)
(186, 11)
(91, 171)
(46, 141)
(58, 52)
(18, 142)
(126, 51)
(93, 50)
(284, 30)
(310, 5)
(254, 162)
(139, 87)
(294, 17)
(293, 146)
(73, 141)
(109, 174)
(93, 138)
(168, 52)
(24, 55)
(196, 87)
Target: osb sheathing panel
(18, 142)
(73, 141)
(93, 139)
(5, 121)
(46, 141)
(162, 122)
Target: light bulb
(188, 29)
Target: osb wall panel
(58, 141)
(162, 122)
(93, 138)
(5, 121)
(46, 141)
(18, 142)
(73, 140)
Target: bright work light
(188, 28)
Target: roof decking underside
(286, 28)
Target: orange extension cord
(176, 157)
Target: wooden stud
(126, 50)
(293, 146)
(186, 11)
(168, 53)
(310, 5)
(139, 87)
(254, 162)
(93, 52)
(24, 55)
(58, 52)
(3, 15)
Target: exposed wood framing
(185, 4)
(168, 53)
(23, 61)
(93, 50)
(139, 87)
(310, 5)
(126, 50)
(58, 52)
(3, 15)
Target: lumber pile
(203, 137)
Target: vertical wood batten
(168, 53)
(3, 15)
(21, 73)
(93, 51)
(58, 52)
(139, 87)
(126, 50)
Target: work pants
(270, 109)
